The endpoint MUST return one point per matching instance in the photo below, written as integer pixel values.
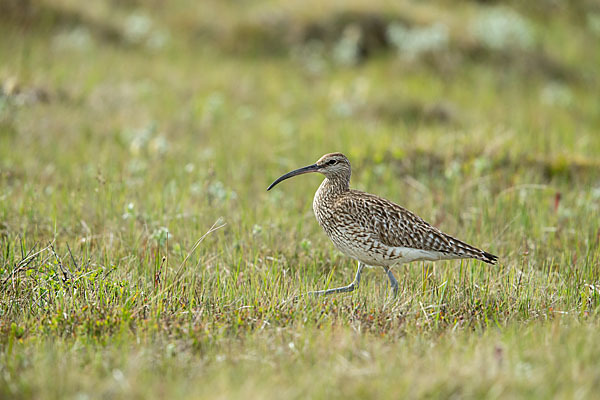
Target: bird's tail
(465, 250)
(488, 257)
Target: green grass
(117, 158)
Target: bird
(372, 230)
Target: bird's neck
(328, 192)
(333, 187)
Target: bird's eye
(332, 162)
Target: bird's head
(335, 166)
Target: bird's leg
(348, 288)
(392, 279)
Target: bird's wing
(390, 223)
(395, 226)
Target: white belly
(386, 256)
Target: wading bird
(372, 230)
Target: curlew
(375, 231)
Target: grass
(141, 256)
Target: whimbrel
(375, 231)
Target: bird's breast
(347, 237)
(324, 208)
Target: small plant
(500, 28)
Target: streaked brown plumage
(372, 230)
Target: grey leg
(349, 288)
(392, 279)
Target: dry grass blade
(216, 226)
(21, 265)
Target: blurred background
(164, 111)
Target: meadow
(142, 257)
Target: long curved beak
(299, 171)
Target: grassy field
(141, 256)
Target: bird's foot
(343, 289)
(395, 290)
(393, 282)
